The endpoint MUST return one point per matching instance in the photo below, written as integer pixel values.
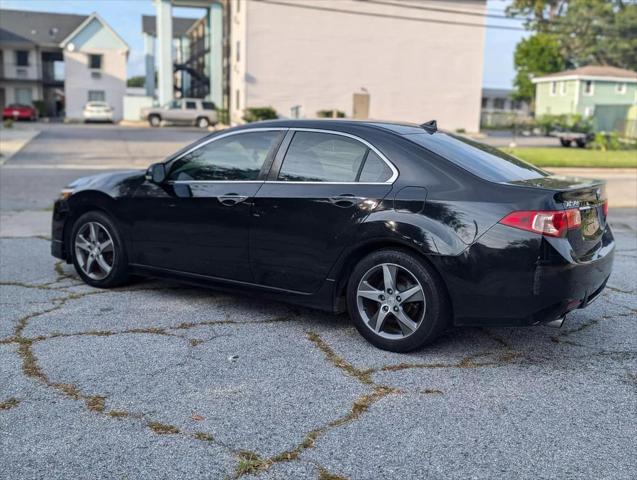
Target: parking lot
(160, 380)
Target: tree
(536, 55)
(571, 34)
(137, 81)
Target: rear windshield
(482, 160)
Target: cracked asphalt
(160, 380)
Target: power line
(443, 10)
(392, 16)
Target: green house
(584, 89)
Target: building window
(22, 58)
(95, 62)
(238, 5)
(562, 88)
(620, 88)
(238, 54)
(96, 96)
(498, 103)
(553, 88)
(238, 100)
(23, 96)
(21, 72)
(485, 102)
(588, 87)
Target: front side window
(95, 62)
(322, 157)
(235, 157)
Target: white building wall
(413, 70)
(79, 81)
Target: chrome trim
(213, 181)
(391, 166)
(227, 134)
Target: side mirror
(156, 173)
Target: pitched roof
(593, 71)
(180, 25)
(85, 23)
(40, 28)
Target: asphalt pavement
(160, 380)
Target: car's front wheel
(397, 301)
(97, 250)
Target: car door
(322, 185)
(174, 113)
(191, 112)
(197, 221)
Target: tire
(154, 120)
(581, 143)
(82, 245)
(429, 317)
(565, 143)
(203, 122)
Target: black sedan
(409, 229)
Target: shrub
(223, 116)
(606, 141)
(260, 113)
(7, 123)
(40, 107)
(330, 113)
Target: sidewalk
(13, 139)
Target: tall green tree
(574, 33)
(536, 55)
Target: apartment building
(58, 62)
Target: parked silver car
(184, 111)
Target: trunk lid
(586, 195)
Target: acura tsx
(407, 228)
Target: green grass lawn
(575, 157)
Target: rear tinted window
(322, 157)
(482, 160)
(208, 105)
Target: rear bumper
(513, 283)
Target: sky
(124, 16)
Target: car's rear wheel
(154, 120)
(203, 122)
(397, 301)
(565, 143)
(97, 250)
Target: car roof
(400, 128)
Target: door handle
(230, 199)
(346, 200)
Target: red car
(20, 112)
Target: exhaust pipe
(557, 323)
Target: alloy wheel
(94, 250)
(391, 301)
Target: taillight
(551, 223)
(605, 208)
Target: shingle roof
(180, 25)
(40, 28)
(594, 71)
